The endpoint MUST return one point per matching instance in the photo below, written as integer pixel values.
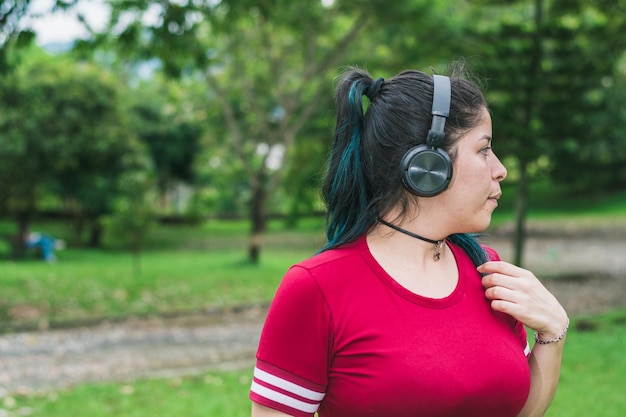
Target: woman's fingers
(518, 292)
(500, 267)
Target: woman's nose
(499, 170)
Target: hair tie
(374, 88)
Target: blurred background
(160, 164)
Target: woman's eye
(485, 150)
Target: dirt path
(595, 280)
(42, 360)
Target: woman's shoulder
(308, 282)
(333, 257)
(326, 266)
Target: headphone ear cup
(426, 171)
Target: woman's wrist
(547, 338)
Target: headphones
(426, 169)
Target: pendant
(437, 254)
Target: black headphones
(426, 169)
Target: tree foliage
(549, 78)
(268, 65)
(14, 33)
(11, 13)
(549, 64)
(582, 88)
(62, 129)
(165, 120)
(260, 74)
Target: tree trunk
(521, 209)
(23, 228)
(258, 222)
(521, 199)
(95, 235)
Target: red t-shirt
(344, 339)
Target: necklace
(438, 243)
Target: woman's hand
(518, 292)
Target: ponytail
(345, 191)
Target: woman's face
(474, 190)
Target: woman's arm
(517, 292)
(259, 410)
(545, 366)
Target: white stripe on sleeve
(284, 399)
(288, 386)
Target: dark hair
(363, 180)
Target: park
(160, 175)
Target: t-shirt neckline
(395, 286)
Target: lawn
(592, 377)
(209, 395)
(183, 269)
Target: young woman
(403, 313)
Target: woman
(403, 313)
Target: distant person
(403, 313)
(46, 244)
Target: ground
(583, 264)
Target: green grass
(86, 285)
(208, 395)
(592, 383)
(594, 365)
(184, 268)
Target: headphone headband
(440, 110)
(441, 95)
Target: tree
(586, 53)
(268, 68)
(14, 34)
(515, 77)
(132, 214)
(62, 128)
(167, 120)
(11, 13)
(546, 62)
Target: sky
(63, 27)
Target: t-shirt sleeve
(293, 355)
(492, 255)
(523, 339)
